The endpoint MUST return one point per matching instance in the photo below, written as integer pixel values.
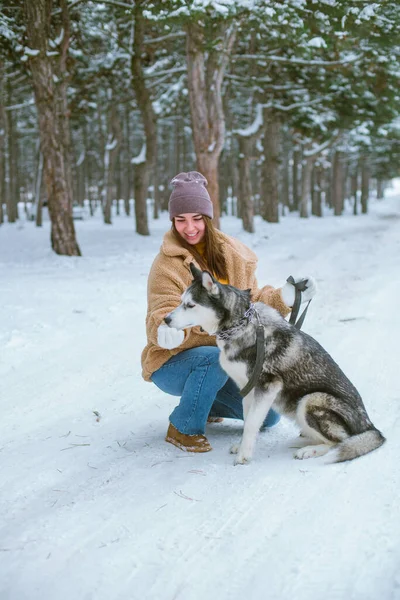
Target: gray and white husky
(298, 379)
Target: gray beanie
(190, 195)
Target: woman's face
(191, 227)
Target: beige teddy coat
(169, 277)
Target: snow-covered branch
(315, 150)
(140, 158)
(30, 102)
(255, 126)
(160, 40)
(298, 61)
(167, 72)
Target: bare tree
(316, 194)
(337, 183)
(270, 168)
(53, 122)
(113, 141)
(247, 139)
(2, 147)
(206, 71)
(144, 166)
(365, 177)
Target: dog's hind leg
(320, 423)
(260, 402)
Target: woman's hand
(288, 290)
(169, 337)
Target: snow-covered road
(101, 508)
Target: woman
(185, 363)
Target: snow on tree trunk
(51, 127)
(206, 69)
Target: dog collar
(251, 312)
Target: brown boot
(190, 443)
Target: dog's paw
(311, 451)
(234, 449)
(242, 460)
(305, 452)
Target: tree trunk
(316, 202)
(12, 154)
(245, 200)
(365, 176)
(143, 99)
(140, 186)
(2, 152)
(223, 182)
(234, 181)
(337, 184)
(52, 127)
(110, 155)
(38, 195)
(157, 196)
(206, 69)
(128, 166)
(307, 166)
(380, 189)
(354, 188)
(270, 168)
(294, 205)
(285, 175)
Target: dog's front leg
(258, 407)
(247, 401)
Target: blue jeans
(205, 390)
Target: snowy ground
(103, 509)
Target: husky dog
(298, 378)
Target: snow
(254, 127)
(317, 42)
(101, 508)
(140, 158)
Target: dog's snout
(167, 320)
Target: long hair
(213, 259)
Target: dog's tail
(357, 445)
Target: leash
(299, 287)
(260, 353)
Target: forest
(284, 107)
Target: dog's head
(206, 303)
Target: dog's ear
(209, 283)
(195, 271)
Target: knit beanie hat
(190, 195)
